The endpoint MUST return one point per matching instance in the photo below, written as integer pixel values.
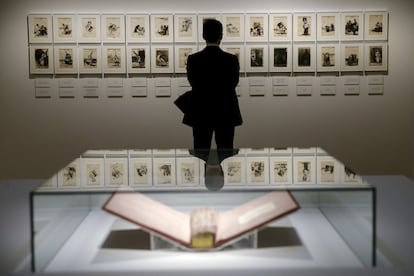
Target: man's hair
(212, 30)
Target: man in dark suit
(213, 75)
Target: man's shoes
(214, 177)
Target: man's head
(212, 31)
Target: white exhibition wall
(373, 134)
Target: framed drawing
(234, 171)
(113, 27)
(352, 57)
(280, 170)
(256, 28)
(200, 21)
(66, 60)
(188, 171)
(162, 60)
(69, 176)
(257, 169)
(137, 28)
(376, 25)
(280, 58)
(327, 170)
(185, 28)
(92, 172)
(114, 59)
(164, 171)
(116, 172)
(280, 27)
(41, 59)
(238, 51)
(64, 28)
(181, 54)
(304, 170)
(233, 27)
(162, 28)
(89, 59)
(376, 56)
(348, 176)
(138, 59)
(40, 28)
(304, 58)
(257, 58)
(304, 27)
(89, 28)
(352, 26)
(328, 26)
(140, 171)
(327, 57)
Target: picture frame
(114, 60)
(256, 27)
(256, 151)
(352, 26)
(40, 28)
(41, 59)
(352, 57)
(328, 57)
(181, 55)
(90, 59)
(66, 59)
(257, 58)
(64, 28)
(304, 150)
(234, 171)
(376, 56)
(113, 28)
(257, 170)
(138, 59)
(280, 151)
(137, 28)
(280, 168)
(200, 21)
(304, 170)
(188, 171)
(349, 177)
(328, 170)
(304, 57)
(89, 28)
(69, 176)
(304, 27)
(162, 28)
(162, 59)
(233, 27)
(280, 27)
(238, 51)
(92, 172)
(116, 172)
(140, 171)
(280, 57)
(185, 28)
(376, 25)
(164, 171)
(328, 26)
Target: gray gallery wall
(372, 134)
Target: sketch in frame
(69, 176)
(328, 26)
(256, 27)
(64, 26)
(349, 176)
(140, 172)
(280, 27)
(304, 58)
(185, 28)
(162, 28)
(328, 58)
(188, 171)
(164, 171)
(238, 51)
(233, 169)
(304, 170)
(113, 28)
(41, 59)
(328, 170)
(138, 59)
(181, 55)
(40, 28)
(66, 60)
(138, 28)
(162, 59)
(114, 59)
(233, 27)
(257, 170)
(116, 172)
(89, 28)
(89, 59)
(92, 172)
(376, 26)
(352, 26)
(257, 58)
(352, 58)
(304, 27)
(280, 58)
(200, 21)
(376, 56)
(280, 170)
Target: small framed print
(181, 55)
(376, 25)
(162, 28)
(280, 58)
(257, 170)
(352, 57)
(257, 58)
(352, 26)
(138, 59)
(40, 28)
(327, 170)
(349, 176)
(114, 59)
(164, 171)
(304, 170)
(328, 26)
(233, 27)
(280, 27)
(238, 51)
(137, 28)
(140, 171)
(116, 172)
(66, 60)
(89, 59)
(64, 30)
(280, 170)
(304, 58)
(113, 28)
(256, 27)
(92, 172)
(185, 28)
(162, 60)
(89, 28)
(328, 57)
(200, 20)
(304, 27)
(234, 171)
(69, 176)
(41, 59)
(188, 171)
(376, 56)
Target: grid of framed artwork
(160, 43)
(176, 168)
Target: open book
(203, 228)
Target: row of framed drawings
(168, 58)
(238, 27)
(176, 168)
